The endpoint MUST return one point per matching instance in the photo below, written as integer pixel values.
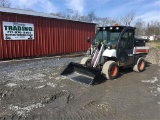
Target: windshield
(107, 37)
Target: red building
(27, 33)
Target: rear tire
(84, 61)
(140, 65)
(110, 70)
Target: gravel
(35, 90)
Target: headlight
(111, 28)
(98, 28)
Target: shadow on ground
(101, 79)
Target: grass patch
(158, 47)
(155, 44)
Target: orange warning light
(116, 24)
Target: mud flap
(82, 74)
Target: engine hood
(109, 53)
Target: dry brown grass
(155, 44)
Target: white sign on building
(18, 31)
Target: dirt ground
(34, 90)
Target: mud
(34, 90)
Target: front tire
(140, 65)
(110, 70)
(84, 61)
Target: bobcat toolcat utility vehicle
(112, 47)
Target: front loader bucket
(82, 74)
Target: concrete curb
(44, 58)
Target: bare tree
(76, 15)
(68, 14)
(128, 18)
(28, 9)
(102, 22)
(156, 28)
(91, 16)
(5, 3)
(83, 18)
(140, 27)
(114, 21)
(58, 14)
(153, 28)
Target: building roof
(33, 13)
(27, 12)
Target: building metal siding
(51, 36)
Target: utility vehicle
(112, 47)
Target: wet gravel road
(34, 90)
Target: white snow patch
(11, 85)
(158, 89)
(107, 90)
(64, 85)
(155, 79)
(41, 81)
(60, 78)
(39, 87)
(38, 76)
(154, 93)
(103, 106)
(23, 111)
(64, 91)
(27, 76)
(158, 103)
(50, 77)
(152, 87)
(51, 84)
(54, 74)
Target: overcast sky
(144, 9)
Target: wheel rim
(113, 71)
(141, 65)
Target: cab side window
(127, 40)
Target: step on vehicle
(112, 47)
